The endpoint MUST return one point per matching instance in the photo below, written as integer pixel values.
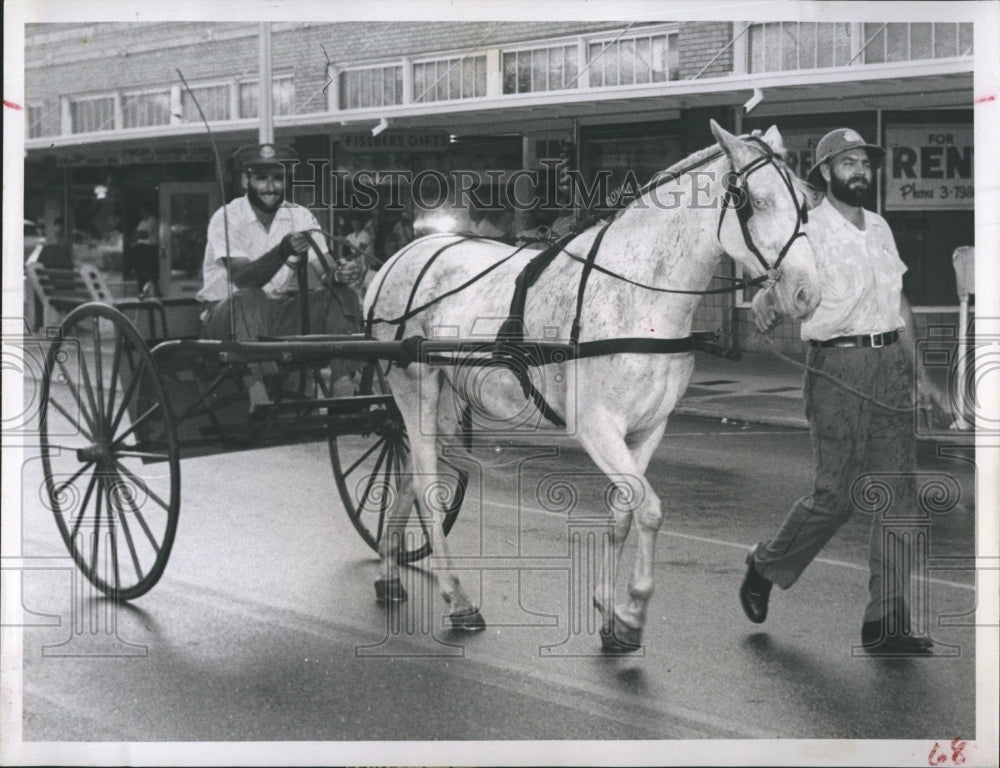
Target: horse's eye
(759, 203)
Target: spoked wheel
(370, 466)
(109, 452)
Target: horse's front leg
(632, 499)
(607, 574)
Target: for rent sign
(800, 149)
(929, 167)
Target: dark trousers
(865, 461)
(254, 314)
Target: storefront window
(36, 125)
(551, 68)
(282, 96)
(214, 101)
(371, 87)
(458, 78)
(97, 236)
(143, 109)
(622, 158)
(407, 193)
(903, 42)
(633, 61)
(777, 46)
(929, 199)
(96, 114)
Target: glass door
(185, 209)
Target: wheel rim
(368, 469)
(109, 452)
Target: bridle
(738, 196)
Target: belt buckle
(881, 340)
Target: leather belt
(873, 340)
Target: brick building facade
(105, 109)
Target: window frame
(255, 81)
(459, 58)
(30, 108)
(111, 96)
(546, 45)
(670, 31)
(126, 94)
(857, 52)
(227, 84)
(344, 72)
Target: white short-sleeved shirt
(248, 239)
(860, 273)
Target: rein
(833, 379)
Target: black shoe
(876, 639)
(755, 591)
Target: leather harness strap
(588, 267)
(401, 327)
(512, 329)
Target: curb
(800, 422)
(707, 412)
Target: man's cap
(837, 141)
(264, 156)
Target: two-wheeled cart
(119, 413)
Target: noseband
(738, 197)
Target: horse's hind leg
(388, 587)
(632, 500)
(418, 401)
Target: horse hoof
(469, 620)
(389, 591)
(621, 638)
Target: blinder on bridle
(738, 196)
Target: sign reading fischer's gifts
(929, 167)
(395, 141)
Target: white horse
(616, 405)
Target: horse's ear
(737, 150)
(773, 139)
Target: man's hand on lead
(765, 316)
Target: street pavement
(265, 628)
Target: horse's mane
(695, 159)
(702, 155)
(676, 170)
(690, 162)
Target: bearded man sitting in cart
(268, 239)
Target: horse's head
(764, 228)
